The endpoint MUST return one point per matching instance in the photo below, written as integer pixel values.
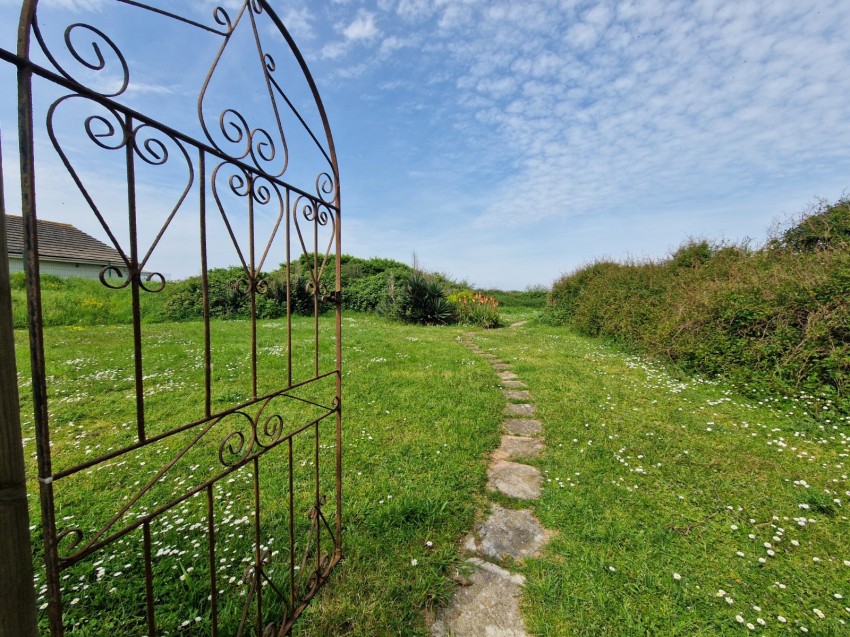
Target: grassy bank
(679, 506)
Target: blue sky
(508, 142)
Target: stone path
(488, 605)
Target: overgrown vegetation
(773, 318)
(78, 301)
(382, 286)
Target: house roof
(60, 241)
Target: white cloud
(393, 43)
(595, 108)
(299, 22)
(334, 50)
(362, 28)
(414, 9)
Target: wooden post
(17, 593)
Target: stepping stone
(515, 480)
(506, 375)
(508, 533)
(489, 357)
(518, 447)
(488, 607)
(501, 367)
(520, 409)
(514, 384)
(523, 426)
(515, 394)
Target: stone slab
(518, 447)
(501, 367)
(508, 375)
(517, 394)
(520, 409)
(514, 384)
(488, 607)
(515, 480)
(523, 426)
(508, 533)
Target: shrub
(185, 299)
(824, 226)
(474, 308)
(366, 293)
(421, 299)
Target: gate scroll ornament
(257, 469)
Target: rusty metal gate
(203, 496)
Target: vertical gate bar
(316, 282)
(146, 531)
(202, 170)
(213, 578)
(135, 275)
(318, 520)
(17, 603)
(26, 141)
(291, 533)
(258, 569)
(338, 455)
(254, 278)
(288, 296)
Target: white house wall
(61, 269)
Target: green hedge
(775, 318)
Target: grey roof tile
(61, 241)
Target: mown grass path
(488, 603)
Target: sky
(506, 143)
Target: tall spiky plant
(423, 301)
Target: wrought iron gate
(219, 450)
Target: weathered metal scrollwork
(93, 60)
(109, 130)
(261, 191)
(238, 445)
(89, 68)
(242, 140)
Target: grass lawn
(421, 414)
(678, 506)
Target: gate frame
(18, 601)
